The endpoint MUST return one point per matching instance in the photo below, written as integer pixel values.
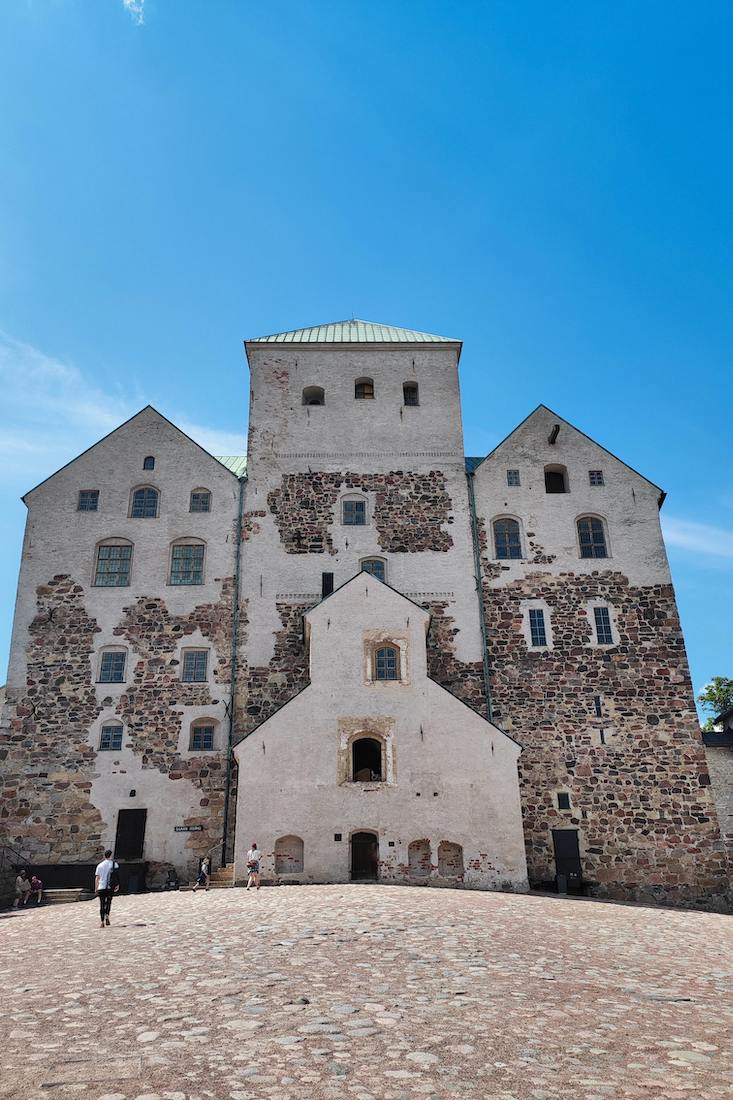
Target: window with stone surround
(354, 512)
(592, 537)
(200, 501)
(595, 477)
(195, 667)
(187, 563)
(112, 666)
(112, 566)
(410, 394)
(507, 541)
(364, 389)
(110, 737)
(88, 500)
(556, 479)
(314, 395)
(386, 662)
(537, 631)
(366, 760)
(604, 631)
(203, 735)
(377, 567)
(144, 503)
(512, 478)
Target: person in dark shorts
(106, 885)
(253, 866)
(202, 879)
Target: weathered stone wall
(464, 679)
(720, 765)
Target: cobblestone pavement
(365, 992)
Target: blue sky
(550, 183)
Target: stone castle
(376, 656)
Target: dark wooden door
(568, 870)
(130, 834)
(364, 856)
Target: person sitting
(37, 889)
(22, 889)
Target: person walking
(202, 879)
(253, 866)
(22, 889)
(106, 885)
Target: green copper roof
(353, 332)
(236, 463)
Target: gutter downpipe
(480, 595)
(234, 663)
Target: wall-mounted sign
(188, 828)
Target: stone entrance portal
(364, 856)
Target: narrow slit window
(326, 584)
(598, 705)
(144, 504)
(563, 800)
(592, 538)
(112, 668)
(113, 566)
(354, 513)
(506, 539)
(110, 739)
(537, 630)
(410, 393)
(512, 478)
(387, 663)
(88, 500)
(187, 564)
(604, 633)
(195, 666)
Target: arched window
(187, 562)
(377, 567)
(507, 541)
(450, 860)
(110, 737)
(354, 511)
(149, 462)
(144, 503)
(410, 393)
(314, 395)
(112, 661)
(364, 388)
(200, 501)
(366, 760)
(386, 662)
(203, 735)
(112, 564)
(418, 859)
(288, 855)
(592, 537)
(556, 479)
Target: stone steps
(61, 897)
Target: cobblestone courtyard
(366, 992)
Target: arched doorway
(364, 856)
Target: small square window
(202, 738)
(604, 633)
(563, 800)
(110, 739)
(512, 477)
(354, 513)
(88, 500)
(200, 501)
(537, 626)
(337, 836)
(148, 463)
(195, 666)
(112, 668)
(595, 477)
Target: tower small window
(595, 477)
(512, 478)
(202, 736)
(112, 667)
(195, 666)
(110, 739)
(563, 800)
(354, 513)
(148, 463)
(556, 479)
(364, 389)
(113, 565)
(200, 501)
(506, 539)
(598, 705)
(314, 395)
(592, 537)
(366, 760)
(387, 663)
(326, 584)
(410, 393)
(88, 500)
(187, 563)
(376, 567)
(604, 633)
(537, 630)
(144, 504)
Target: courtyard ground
(361, 992)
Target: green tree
(717, 697)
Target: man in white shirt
(106, 885)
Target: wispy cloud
(136, 8)
(698, 538)
(51, 412)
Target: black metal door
(568, 870)
(130, 834)
(364, 856)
